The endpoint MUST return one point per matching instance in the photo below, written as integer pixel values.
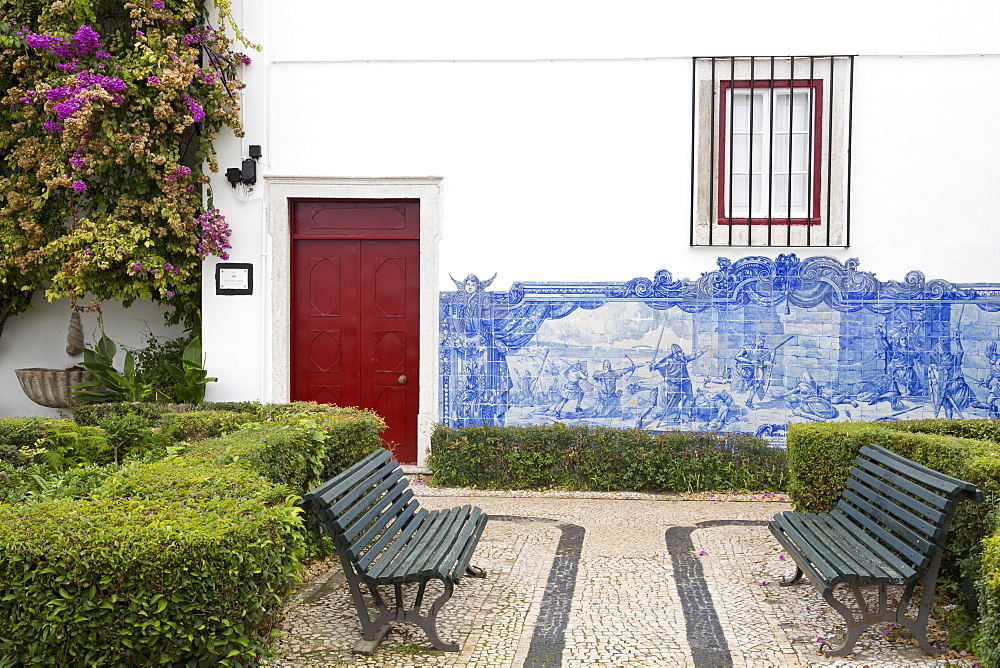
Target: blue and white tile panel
(751, 346)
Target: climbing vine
(108, 115)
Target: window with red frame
(770, 152)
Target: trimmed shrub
(38, 482)
(94, 414)
(182, 561)
(111, 582)
(602, 458)
(23, 432)
(56, 442)
(203, 424)
(183, 479)
(300, 453)
(988, 640)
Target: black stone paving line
(704, 632)
(705, 636)
(549, 637)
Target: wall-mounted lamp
(246, 175)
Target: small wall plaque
(234, 278)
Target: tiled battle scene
(606, 579)
(750, 346)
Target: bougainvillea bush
(108, 114)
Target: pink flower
(79, 186)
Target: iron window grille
(770, 158)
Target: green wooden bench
(384, 537)
(889, 528)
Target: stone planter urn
(51, 387)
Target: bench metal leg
(855, 627)
(918, 626)
(374, 630)
(883, 613)
(794, 580)
(428, 622)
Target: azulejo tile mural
(751, 346)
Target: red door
(355, 310)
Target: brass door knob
(402, 380)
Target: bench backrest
(366, 507)
(900, 509)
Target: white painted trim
(278, 190)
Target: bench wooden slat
(830, 549)
(908, 543)
(411, 561)
(826, 568)
(459, 553)
(369, 544)
(914, 529)
(859, 563)
(890, 557)
(399, 536)
(365, 553)
(879, 471)
(346, 478)
(358, 516)
(879, 484)
(356, 501)
(439, 543)
(948, 485)
(888, 540)
(884, 565)
(436, 562)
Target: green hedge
(600, 458)
(820, 455)
(95, 414)
(988, 640)
(187, 560)
(201, 424)
(113, 582)
(191, 479)
(300, 453)
(39, 482)
(17, 433)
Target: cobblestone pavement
(590, 579)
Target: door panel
(355, 324)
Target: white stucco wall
(560, 133)
(37, 338)
(544, 162)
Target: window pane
(799, 194)
(800, 152)
(739, 194)
(800, 112)
(740, 158)
(741, 111)
(755, 195)
(779, 200)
